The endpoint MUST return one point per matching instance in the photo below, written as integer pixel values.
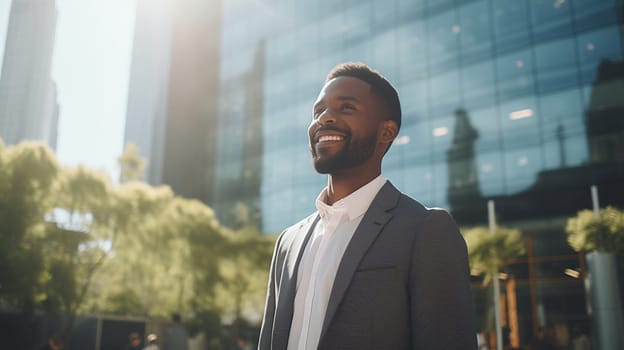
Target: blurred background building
(28, 101)
(519, 102)
(172, 104)
(149, 84)
(523, 85)
(515, 101)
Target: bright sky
(91, 67)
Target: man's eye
(347, 106)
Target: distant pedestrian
(542, 340)
(241, 344)
(135, 342)
(176, 337)
(151, 342)
(55, 342)
(580, 340)
(482, 341)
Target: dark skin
(349, 123)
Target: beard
(354, 153)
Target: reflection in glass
(514, 101)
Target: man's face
(345, 124)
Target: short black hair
(380, 86)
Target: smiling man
(371, 268)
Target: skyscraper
(28, 101)
(190, 130)
(172, 102)
(149, 84)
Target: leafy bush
(605, 233)
(489, 251)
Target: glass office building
(521, 102)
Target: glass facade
(515, 101)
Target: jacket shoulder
(417, 209)
(415, 214)
(292, 231)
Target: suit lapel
(296, 248)
(288, 279)
(371, 225)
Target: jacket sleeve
(442, 312)
(266, 330)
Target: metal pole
(595, 204)
(604, 293)
(98, 333)
(496, 283)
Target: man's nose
(327, 117)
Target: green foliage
(27, 177)
(60, 250)
(83, 190)
(74, 241)
(244, 273)
(241, 215)
(148, 252)
(605, 233)
(232, 273)
(131, 164)
(208, 322)
(124, 302)
(61, 288)
(489, 251)
(71, 242)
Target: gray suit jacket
(403, 282)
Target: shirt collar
(353, 205)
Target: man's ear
(389, 131)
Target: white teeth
(330, 138)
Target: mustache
(331, 128)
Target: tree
(76, 244)
(244, 272)
(206, 243)
(72, 242)
(488, 252)
(144, 252)
(131, 164)
(605, 233)
(27, 180)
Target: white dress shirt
(321, 259)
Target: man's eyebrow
(321, 102)
(348, 98)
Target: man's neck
(341, 185)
